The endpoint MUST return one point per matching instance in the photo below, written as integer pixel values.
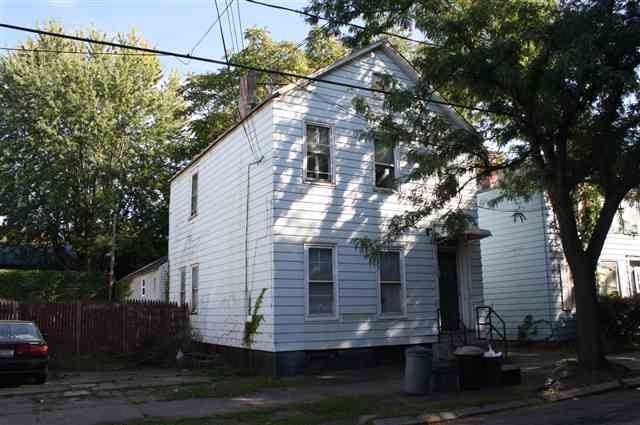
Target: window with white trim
(390, 281)
(321, 290)
(144, 287)
(318, 148)
(607, 278)
(195, 283)
(385, 165)
(183, 285)
(379, 81)
(194, 195)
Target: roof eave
(223, 135)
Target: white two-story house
(525, 272)
(273, 206)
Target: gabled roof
(146, 268)
(388, 49)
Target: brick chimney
(490, 181)
(247, 99)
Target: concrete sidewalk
(118, 407)
(88, 399)
(96, 382)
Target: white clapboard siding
(307, 213)
(524, 268)
(154, 281)
(215, 238)
(621, 246)
(286, 212)
(515, 266)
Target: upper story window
(385, 165)
(194, 195)
(144, 287)
(318, 150)
(607, 278)
(390, 281)
(379, 81)
(183, 285)
(321, 284)
(195, 283)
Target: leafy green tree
(213, 97)
(556, 87)
(86, 140)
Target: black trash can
(493, 370)
(471, 367)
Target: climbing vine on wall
(252, 325)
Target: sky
(174, 25)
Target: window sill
(321, 318)
(384, 190)
(390, 316)
(320, 183)
(193, 217)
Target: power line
(206, 33)
(227, 63)
(232, 33)
(334, 21)
(226, 56)
(224, 43)
(76, 52)
(240, 23)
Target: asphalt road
(615, 408)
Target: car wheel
(41, 377)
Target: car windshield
(19, 332)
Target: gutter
(219, 139)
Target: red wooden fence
(89, 328)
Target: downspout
(246, 238)
(543, 210)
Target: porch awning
(471, 233)
(476, 233)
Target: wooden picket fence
(90, 328)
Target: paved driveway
(616, 408)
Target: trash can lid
(469, 350)
(418, 351)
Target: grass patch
(224, 387)
(93, 362)
(346, 410)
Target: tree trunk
(112, 256)
(589, 346)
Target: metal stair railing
(487, 322)
(460, 334)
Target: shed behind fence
(90, 328)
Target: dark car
(23, 350)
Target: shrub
(620, 319)
(51, 285)
(527, 329)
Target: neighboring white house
(275, 203)
(524, 270)
(149, 283)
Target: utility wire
(233, 38)
(224, 43)
(336, 22)
(228, 63)
(206, 33)
(226, 56)
(240, 23)
(77, 52)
